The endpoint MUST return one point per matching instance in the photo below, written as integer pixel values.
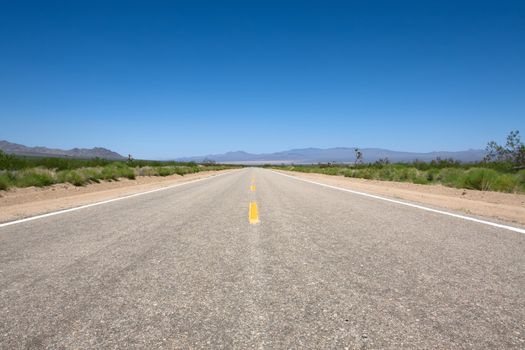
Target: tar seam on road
(253, 213)
(506, 227)
(106, 201)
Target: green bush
(5, 182)
(432, 174)
(90, 174)
(34, 177)
(16, 171)
(387, 173)
(116, 171)
(128, 173)
(109, 173)
(179, 170)
(362, 174)
(407, 174)
(521, 180)
(166, 171)
(520, 175)
(11, 162)
(147, 171)
(186, 170)
(480, 176)
(347, 172)
(451, 177)
(421, 179)
(506, 183)
(331, 171)
(480, 179)
(72, 176)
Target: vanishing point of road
(255, 259)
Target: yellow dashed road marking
(253, 214)
(252, 188)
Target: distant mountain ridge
(296, 156)
(338, 155)
(21, 150)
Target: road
(188, 268)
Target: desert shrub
(71, 176)
(432, 174)
(406, 174)
(90, 174)
(83, 176)
(147, 171)
(481, 176)
(5, 182)
(34, 177)
(521, 180)
(521, 176)
(181, 170)
(365, 173)
(451, 177)
(125, 171)
(347, 172)
(12, 162)
(19, 171)
(353, 173)
(387, 173)
(480, 179)
(165, 171)
(421, 178)
(331, 171)
(109, 173)
(128, 173)
(506, 183)
(117, 170)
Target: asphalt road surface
(185, 268)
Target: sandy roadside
(502, 206)
(20, 203)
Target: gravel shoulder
(508, 207)
(20, 203)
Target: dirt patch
(503, 206)
(19, 203)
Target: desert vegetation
(503, 169)
(16, 171)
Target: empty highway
(255, 259)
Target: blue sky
(167, 79)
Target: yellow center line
(252, 188)
(253, 214)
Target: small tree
(358, 156)
(513, 151)
(11, 162)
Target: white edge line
(107, 201)
(511, 228)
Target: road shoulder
(508, 207)
(21, 203)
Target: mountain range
(21, 150)
(296, 156)
(338, 155)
